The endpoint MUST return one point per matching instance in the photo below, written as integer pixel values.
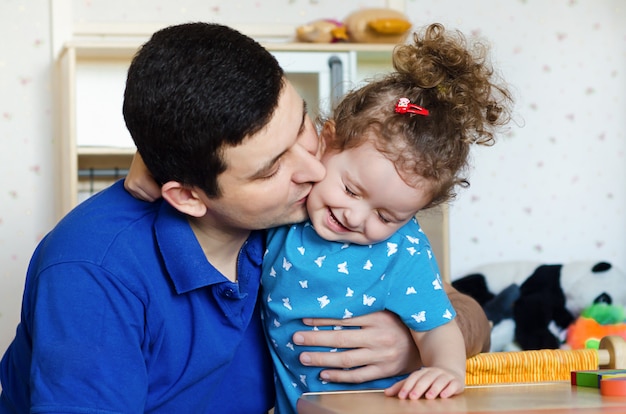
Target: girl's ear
(327, 135)
(183, 199)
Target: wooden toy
(613, 387)
(546, 364)
(591, 378)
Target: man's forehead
(260, 151)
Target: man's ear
(183, 199)
(327, 136)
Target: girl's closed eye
(382, 218)
(349, 192)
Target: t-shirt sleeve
(416, 291)
(88, 333)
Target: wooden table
(546, 398)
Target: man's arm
(472, 321)
(384, 347)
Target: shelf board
(105, 151)
(126, 49)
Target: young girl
(395, 146)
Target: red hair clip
(404, 106)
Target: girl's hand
(429, 382)
(139, 182)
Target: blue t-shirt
(307, 276)
(122, 313)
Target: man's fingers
(344, 360)
(350, 338)
(357, 375)
(357, 321)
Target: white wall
(27, 158)
(552, 190)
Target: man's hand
(383, 347)
(139, 182)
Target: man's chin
(299, 217)
(294, 217)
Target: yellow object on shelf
(390, 26)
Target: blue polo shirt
(122, 313)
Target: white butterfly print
(323, 301)
(419, 317)
(412, 239)
(286, 264)
(319, 261)
(437, 283)
(392, 248)
(368, 300)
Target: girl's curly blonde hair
(443, 73)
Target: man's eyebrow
(263, 171)
(304, 114)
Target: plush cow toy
(531, 305)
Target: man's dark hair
(192, 90)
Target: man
(151, 307)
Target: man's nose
(308, 168)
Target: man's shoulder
(92, 226)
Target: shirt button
(229, 293)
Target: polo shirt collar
(183, 256)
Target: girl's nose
(354, 218)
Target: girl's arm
(139, 182)
(443, 374)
